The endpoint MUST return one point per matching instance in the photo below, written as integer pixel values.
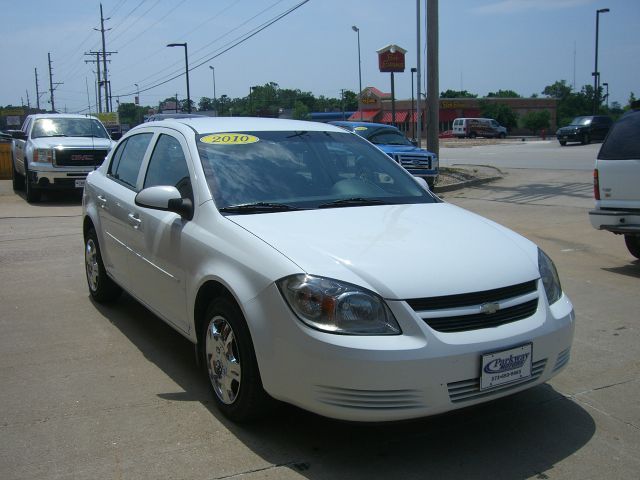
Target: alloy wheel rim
(91, 263)
(223, 362)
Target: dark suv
(585, 129)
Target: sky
(484, 46)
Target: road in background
(90, 391)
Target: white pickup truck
(57, 151)
(616, 182)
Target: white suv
(616, 179)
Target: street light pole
(186, 65)
(357, 30)
(606, 85)
(596, 74)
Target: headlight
(43, 155)
(337, 307)
(550, 278)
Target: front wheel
(18, 181)
(563, 143)
(30, 191)
(502, 135)
(230, 361)
(101, 287)
(633, 244)
(586, 139)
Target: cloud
(518, 6)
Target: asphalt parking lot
(111, 392)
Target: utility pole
(37, 90)
(51, 84)
(105, 81)
(97, 62)
(418, 77)
(433, 101)
(28, 102)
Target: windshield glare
(302, 170)
(68, 127)
(581, 121)
(389, 137)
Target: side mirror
(165, 198)
(18, 134)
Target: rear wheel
(18, 181)
(230, 362)
(633, 244)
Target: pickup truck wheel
(18, 181)
(633, 244)
(101, 287)
(31, 192)
(230, 362)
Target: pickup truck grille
(79, 158)
(408, 160)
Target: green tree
(503, 94)
(457, 94)
(300, 111)
(535, 120)
(504, 115)
(131, 114)
(206, 103)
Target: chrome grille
(413, 161)
(70, 157)
(477, 310)
(467, 390)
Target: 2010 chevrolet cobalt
(307, 266)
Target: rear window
(623, 141)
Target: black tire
(31, 192)
(431, 182)
(240, 396)
(18, 181)
(101, 287)
(472, 135)
(586, 139)
(633, 244)
(563, 143)
(502, 135)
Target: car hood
(400, 251)
(402, 149)
(72, 142)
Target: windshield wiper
(258, 207)
(353, 202)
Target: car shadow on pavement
(517, 437)
(56, 198)
(631, 270)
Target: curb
(466, 183)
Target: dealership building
(376, 106)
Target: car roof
(36, 116)
(240, 124)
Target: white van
(478, 127)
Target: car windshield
(68, 127)
(259, 172)
(387, 137)
(581, 121)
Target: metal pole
(53, 105)
(433, 102)
(413, 126)
(418, 76)
(104, 63)
(37, 91)
(186, 62)
(393, 101)
(357, 30)
(596, 74)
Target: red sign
(389, 61)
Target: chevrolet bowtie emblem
(489, 308)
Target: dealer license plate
(80, 183)
(506, 366)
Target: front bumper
(569, 136)
(384, 378)
(50, 177)
(616, 221)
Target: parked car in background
(617, 182)
(585, 129)
(478, 127)
(57, 151)
(308, 266)
(419, 162)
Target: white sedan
(307, 266)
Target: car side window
(623, 141)
(168, 166)
(128, 158)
